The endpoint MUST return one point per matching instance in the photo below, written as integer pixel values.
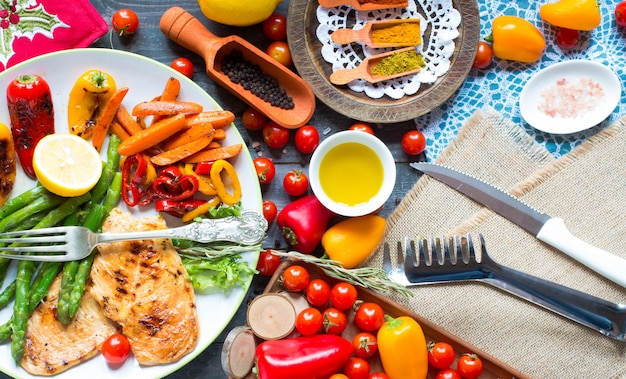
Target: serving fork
(454, 259)
(67, 243)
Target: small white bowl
(388, 173)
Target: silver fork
(455, 259)
(67, 243)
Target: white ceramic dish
(531, 99)
(381, 150)
(145, 79)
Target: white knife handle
(555, 233)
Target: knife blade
(551, 230)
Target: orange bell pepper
(397, 336)
(516, 39)
(572, 14)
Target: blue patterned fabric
(500, 85)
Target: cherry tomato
(306, 139)
(440, 355)
(567, 38)
(343, 295)
(318, 292)
(295, 183)
(275, 27)
(125, 22)
(269, 210)
(268, 263)
(116, 349)
(335, 321)
(253, 119)
(620, 14)
(362, 127)
(365, 345)
(378, 375)
(338, 376)
(274, 135)
(296, 278)
(413, 142)
(357, 368)
(484, 55)
(184, 66)
(265, 169)
(279, 50)
(369, 317)
(470, 366)
(448, 373)
(309, 321)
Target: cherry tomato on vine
(365, 345)
(335, 321)
(357, 368)
(343, 295)
(268, 263)
(274, 135)
(362, 127)
(440, 354)
(269, 210)
(279, 50)
(253, 119)
(306, 139)
(275, 27)
(116, 349)
(296, 278)
(125, 21)
(265, 169)
(484, 55)
(295, 183)
(318, 292)
(183, 65)
(470, 366)
(620, 14)
(309, 321)
(378, 375)
(567, 38)
(448, 373)
(413, 142)
(369, 317)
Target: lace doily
(439, 26)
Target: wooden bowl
(301, 31)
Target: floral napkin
(29, 28)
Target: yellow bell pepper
(572, 14)
(352, 240)
(402, 348)
(220, 184)
(516, 39)
(88, 95)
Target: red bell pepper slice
(178, 208)
(171, 184)
(303, 223)
(134, 170)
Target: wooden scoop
(364, 35)
(187, 31)
(360, 7)
(364, 70)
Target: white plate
(145, 79)
(531, 96)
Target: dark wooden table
(150, 42)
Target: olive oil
(351, 174)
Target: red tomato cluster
(441, 356)
(275, 28)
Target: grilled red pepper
(178, 208)
(172, 184)
(32, 116)
(303, 222)
(313, 357)
(134, 169)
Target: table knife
(551, 230)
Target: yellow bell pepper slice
(220, 185)
(90, 92)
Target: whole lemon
(238, 12)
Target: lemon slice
(66, 165)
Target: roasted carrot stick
(220, 135)
(105, 118)
(127, 121)
(161, 107)
(209, 155)
(189, 134)
(117, 129)
(172, 156)
(170, 93)
(153, 135)
(217, 118)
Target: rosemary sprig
(366, 277)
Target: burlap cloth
(586, 188)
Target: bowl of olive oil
(352, 173)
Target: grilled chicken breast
(142, 285)
(52, 347)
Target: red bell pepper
(172, 184)
(134, 170)
(32, 116)
(203, 168)
(313, 357)
(303, 223)
(178, 208)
